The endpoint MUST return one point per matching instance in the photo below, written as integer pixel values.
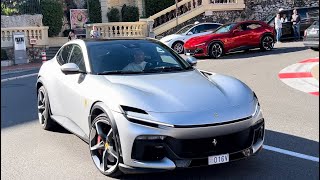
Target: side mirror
(189, 33)
(191, 60)
(70, 68)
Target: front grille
(178, 149)
(199, 148)
(311, 38)
(191, 51)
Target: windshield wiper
(164, 69)
(119, 72)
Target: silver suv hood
(188, 91)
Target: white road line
(18, 77)
(291, 153)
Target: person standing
(94, 33)
(284, 18)
(72, 35)
(278, 27)
(296, 24)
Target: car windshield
(225, 28)
(269, 18)
(133, 57)
(184, 29)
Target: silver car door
(73, 91)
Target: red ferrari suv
(232, 37)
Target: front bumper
(168, 43)
(187, 150)
(196, 51)
(313, 44)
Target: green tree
(154, 6)
(94, 11)
(130, 13)
(113, 15)
(52, 12)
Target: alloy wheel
(42, 108)
(178, 47)
(103, 147)
(216, 50)
(267, 43)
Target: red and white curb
(299, 76)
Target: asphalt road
(292, 123)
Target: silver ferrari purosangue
(142, 108)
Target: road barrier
(44, 56)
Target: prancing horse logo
(214, 142)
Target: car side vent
(132, 109)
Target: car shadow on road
(256, 53)
(266, 165)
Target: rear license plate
(223, 158)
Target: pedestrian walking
(296, 19)
(278, 27)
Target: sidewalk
(20, 67)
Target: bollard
(44, 56)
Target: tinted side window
(198, 29)
(77, 57)
(302, 13)
(253, 26)
(211, 26)
(64, 54)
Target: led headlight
(201, 44)
(141, 117)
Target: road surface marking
(291, 153)
(299, 76)
(18, 77)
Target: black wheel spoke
(100, 132)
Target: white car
(177, 40)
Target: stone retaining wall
(21, 21)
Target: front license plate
(188, 54)
(223, 158)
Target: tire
(103, 147)
(178, 47)
(216, 50)
(267, 43)
(44, 111)
(315, 49)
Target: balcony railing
(38, 33)
(119, 29)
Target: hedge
(154, 6)
(113, 15)
(4, 55)
(94, 11)
(52, 12)
(130, 13)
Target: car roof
(90, 41)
